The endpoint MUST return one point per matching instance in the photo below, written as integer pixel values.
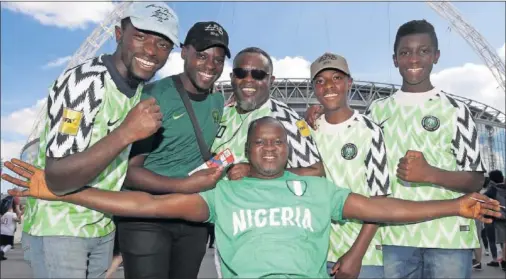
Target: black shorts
(7, 239)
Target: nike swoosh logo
(176, 117)
(111, 123)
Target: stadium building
(298, 94)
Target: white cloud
(472, 81)
(21, 121)
(11, 149)
(63, 14)
(291, 67)
(57, 62)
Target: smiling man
(93, 117)
(353, 152)
(160, 164)
(433, 153)
(251, 80)
(272, 223)
(432, 142)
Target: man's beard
(247, 105)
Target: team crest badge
(349, 151)
(430, 123)
(216, 116)
(297, 187)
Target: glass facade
(493, 146)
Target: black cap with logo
(204, 35)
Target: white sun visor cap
(155, 17)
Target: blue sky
(363, 32)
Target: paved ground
(15, 267)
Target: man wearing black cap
(154, 248)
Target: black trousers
(490, 228)
(210, 229)
(161, 249)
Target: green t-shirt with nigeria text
(276, 228)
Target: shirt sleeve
(209, 198)
(369, 112)
(302, 148)
(376, 163)
(73, 103)
(465, 142)
(338, 197)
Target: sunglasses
(255, 74)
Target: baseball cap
(329, 61)
(204, 35)
(155, 17)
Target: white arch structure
(104, 31)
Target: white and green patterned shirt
(84, 105)
(443, 129)
(354, 157)
(233, 132)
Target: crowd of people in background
(492, 235)
(118, 180)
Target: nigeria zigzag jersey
(443, 129)
(233, 132)
(84, 105)
(354, 157)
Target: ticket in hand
(222, 159)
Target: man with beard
(93, 117)
(251, 80)
(173, 248)
(272, 223)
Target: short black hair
(125, 22)
(416, 27)
(254, 124)
(496, 176)
(258, 51)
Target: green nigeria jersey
(277, 228)
(84, 106)
(233, 132)
(443, 129)
(173, 151)
(353, 155)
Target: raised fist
(142, 121)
